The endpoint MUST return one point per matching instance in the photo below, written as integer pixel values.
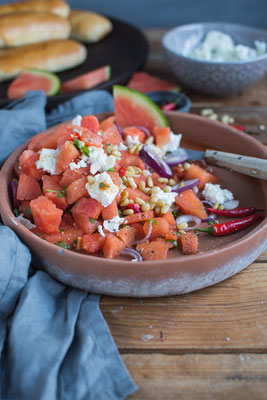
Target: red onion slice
(176, 157)
(187, 185)
(189, 218)
(207, 203)
(155, 162)
(147, 236)
(211, 217)
(119, 129)
(144, 129)
(231, 204)
(127, 251)
(14, 188)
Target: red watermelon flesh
(33, 80)
(144, 82)
(87, 80)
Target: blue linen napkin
(54, 341)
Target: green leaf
(175, 213)
(103, 185)
(174, 242)
(64, 245)
(122, 226)
(92, 220)
(53, 191)
(28, 211)
(153, 221)
(16, 212)
(63, 192)
(77, 144)
(111, 170)
(86, 151)
(62, 230)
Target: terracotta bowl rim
(6, 208)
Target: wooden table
(209, 344)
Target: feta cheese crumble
(102, 189)
(100, 162)
(218, 46)
(80, 164)
(131, 140)
(215, 194)
(100, 230)
(166, 198)
(25, 222)
(47, 160)
(77, 120)
(172, 145)
(112, 225)
(122, 147)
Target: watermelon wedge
(144, 83)
(88, 80)
(134, 108)
(33, 79)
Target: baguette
(59, 7)
(89, 27)
(53, 56)
(27, 27)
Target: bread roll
(89, 27)
(54, 56)
(59, 7)
(27, 27)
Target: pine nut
(90, 179)
(162, 180)
(172, 182)
(139, 201)
(182, 232)
(186, 166)
(129, 174)
(128, 212)
(164, 209)
(157, 210)
(131, 201)
(142, 185)
(146, 173)
(132, 183)
(160, 203)
(182, 225)
(130, 169)
(146, 190)
(167, 189)
(213, 116)
(206, 111)
(152, 205)
(124, 195)
(133, 148)
(153, 199)
(145, 207)
(150, 140)
(139, 147)
(155, 189)
(181, 184)
(137, 170)
(215, 205)
(79, 243)
(116, 153)
(125, 180)
(124, 203)
(221, 207)
(150, 182)
(195, 189)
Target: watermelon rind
(141, 100)
(54, 79)
(108, 72)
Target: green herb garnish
(62, 230)
(103, 185)
(28, 211)
(92, 220)
(86, 151)
(175, 213)
(153, 221)
(64, 245)
(77, 144)
(174, 242)
(111, 170)
(63, 192)
(122, 226)
(16, 212)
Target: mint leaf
(64, 245)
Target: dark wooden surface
(210, 344)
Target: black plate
(124, 49)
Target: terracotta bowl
(219, 258)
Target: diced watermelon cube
(28, 188)
(46, 215)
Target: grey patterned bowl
(210, 77)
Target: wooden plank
(157, 65)
(231, 315)
(198, 376)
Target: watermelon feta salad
(107, 189)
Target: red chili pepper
(237, 212)
(168, 107)
(135, 207)
(226, 228)
(239, 127)
(122, 171)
